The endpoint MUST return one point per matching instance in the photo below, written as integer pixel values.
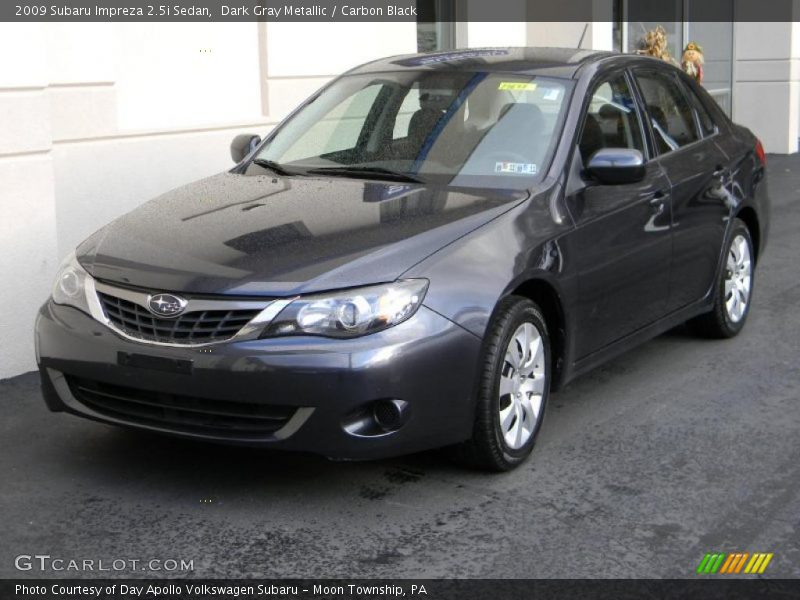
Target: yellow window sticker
(517, 86)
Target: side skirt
(635, 339)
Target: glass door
(716, 37)
(436, 26)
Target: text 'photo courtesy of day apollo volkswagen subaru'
(417, 257)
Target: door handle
(658, 208)
(658, 205)
(658, 197)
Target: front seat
(420, 125)
(614, 129)
(422, 122)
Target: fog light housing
(389, 414)
(376, 418)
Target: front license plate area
(154, 363)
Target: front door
(622, 243)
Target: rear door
(622, 242)
(698, 172)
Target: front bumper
(316, 385)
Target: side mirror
(242, 145)
(616, 165)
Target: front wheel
(513, 388)
(734, 289)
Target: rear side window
(671, 115)
(707, 125)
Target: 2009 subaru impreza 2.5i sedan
(415, 258)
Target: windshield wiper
(356, 171)
(273, 166)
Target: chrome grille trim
(200, 326)
(192, 304)
(269, 309)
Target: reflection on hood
(259, 235)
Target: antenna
(580, 42)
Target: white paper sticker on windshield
(552, 94)
(515, 168)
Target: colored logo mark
(734, 563)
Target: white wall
(27, 197)
(97, 118)
(596, 35)
(302, 57)
(766, 95)
(481, 35)
(186, 74)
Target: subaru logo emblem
(166, 305)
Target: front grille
(189, 414)
(189, 328)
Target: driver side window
(611, 120)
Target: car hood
(274, 236)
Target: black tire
(487, 449)
(717, 323)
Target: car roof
(555, 62)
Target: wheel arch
(548, 299)
(750, 218)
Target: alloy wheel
(522, 385)
(738, 279)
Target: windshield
(456, 128)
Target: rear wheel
(734, 289)
(513, 390)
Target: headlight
(70, 285)
(350, 313)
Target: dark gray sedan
(416, 257)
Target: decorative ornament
(693, 60)
(654, 44)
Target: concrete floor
(680, 448)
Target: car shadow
(163, 461)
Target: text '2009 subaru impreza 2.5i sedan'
(415, 258)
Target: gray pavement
(679, 448)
